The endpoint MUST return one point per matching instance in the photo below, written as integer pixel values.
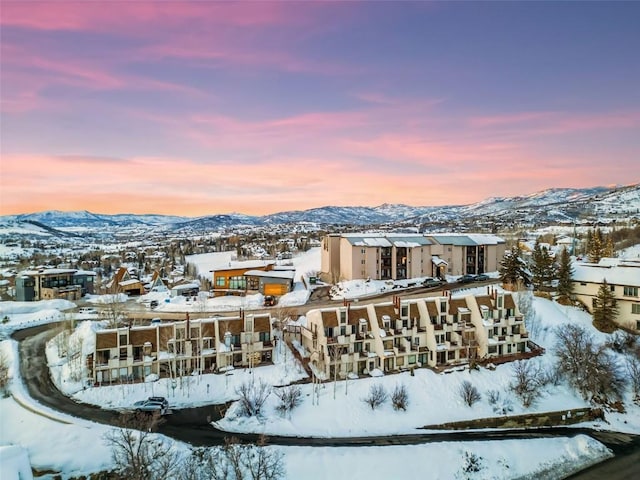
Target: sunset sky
(195, 108)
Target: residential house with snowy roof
(172, 349)
(407, 333)
(230, 279)
(623, 278)
(122, 282)
(350, 256)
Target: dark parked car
(481, 278)
(269, 301)
(432, 282)
(468, 278)
(152, 405)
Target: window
(635, 308)
(630, 291)
(343, 316)
(443, 307)
(220, 281)
(612, 288)
(238, 283)
(264, 336)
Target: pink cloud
(555, 123)
(145, 16)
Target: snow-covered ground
(52, 440)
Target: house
(388, 256)
(51, 283)
(123, 283)
(428, 332)
(231, 279)
(274, 282)
(174, 349)
(185, 290)
(623, 278)
(156, 284)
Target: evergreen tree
(565, 285)
(605, 309)
(595, 247)
(542, 266)
(513, 268)
(608, 247)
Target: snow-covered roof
(85, 272)
(285, 274)
(50, 271)
(437, 261)
(234, 265)
(614, 270)
(186, 286)
(133, 281)
(386, 240)
(466, 239)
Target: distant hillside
(548, 206)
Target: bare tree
(235, 461)
(253, 395)
(137, 453)
(528, 311)
(590, 369)
(469, 393)
(400, 397)
(632, 364)
(290, 397)
(335, 356)
(113, 310)
(526, 382)
(377, 396)
(4, 374)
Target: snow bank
(14, 463)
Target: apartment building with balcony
(174, 349)
(435, 332)
(350, 256)
(622, 277)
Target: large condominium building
(623, 278)
(401, 256)
(434, 332)
(179, 348)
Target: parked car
(87, 311)
(481, 278)
(153, 304)
(432, 282)
(269, 300)
(467, 278)
(156, 321)
(152, 405)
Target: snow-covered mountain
(553, 205)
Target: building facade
(434, 331)
(401, 256)
(623, 278)
(174, 349)
(51, 283)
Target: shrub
(377, 396)
(469, 393)
(400, 397)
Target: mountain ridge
(567, 202)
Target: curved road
(193, 425)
